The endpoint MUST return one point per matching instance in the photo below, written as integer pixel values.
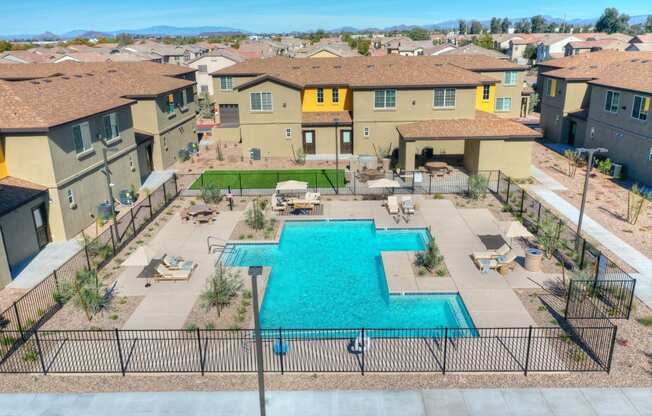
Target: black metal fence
(37, 305)
(437, 350)
(605, 289)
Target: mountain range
(204, 30)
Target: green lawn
(267, 179)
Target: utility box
(254, 154)
(618, 170)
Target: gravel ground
(229, 317)
(71, 317)
(242, 231)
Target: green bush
(182, 155)
(604, 166)
(211, 194)
(220, 289)
(478, 186)
(431, 258)
(255, 216)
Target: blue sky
(36, 16)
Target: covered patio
(490, 143)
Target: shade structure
(515, 229)
(383, 183)
(142, 256)
(292, 186)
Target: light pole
(589, 166)
(337, 159)
(109, 188)
(254, 272)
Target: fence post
(509, 185)
(597, 272)
(498, 185)
(568, 296)
(280, 346)
(112, 239)
(149, 202)
(582, 253)
(527, 352)
(201, 179)
(176, 185)
(122, 362)
(18, 323)
(363, 348)
(133, 220)
(611, 348)
(538, 216)
(56, 280)
(88, 258)
(522, 200)
(430, 183)
(631, 298)
(165, 194)
(240, 181)
(40, 353)
(443, 368)
(201, 354)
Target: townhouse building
(602, 99)
(452, 105)
(59, 122)
(213, 61)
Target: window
(503, 104)
(70, 196)
(550, 87)
(612, 101)
(510, 78)
(202, 68)
(365, 132)
(385, 99)
(288, 133)
(641, 107)
(261, 101)
(336, 95)
(81, 134)
(320, 96)
(170, 103)
(444, 98)
(485, 92)
(226, 83)
(111, 129)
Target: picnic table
(438, 167)
(199, 209)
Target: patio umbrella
(142, 256)
(515, 229)
(296, 186)
(383, 183)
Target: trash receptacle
(533, 257)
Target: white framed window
(335, 95)
(385, 99)
(202, 68)
(444, 98)
(70, 196)
(510, 78)
(81, 134)
(111, 128)
(503, 104)
(486, 91)
(612, 101)
(320, 96)
(261, 101)
(226, 83)
(288, 133)
(640, 107)
(365, 132)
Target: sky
(58, 16)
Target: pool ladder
(215, 244)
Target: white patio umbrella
(515, 229)
(383, 183)
(142, 256)
(295, 186)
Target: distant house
(327, 48)
(553, 45)
(211, 62)
(585, 46)
(472, 49)
(640, 43)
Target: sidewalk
(471, 402)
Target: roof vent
(90, 74)
(111, 71)
(77, 76)
(47, 80)
(634, 60)
(338, 67)
(439, 64)
(35, 82)
(371, 66)
(296, 67)
(593, 66)
(315, 67)
(65, 77)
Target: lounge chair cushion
(503, 250)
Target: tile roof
(645, 38)
(34, 71)
(600, 57)
(325, 118)
(472, 49)
(483, 126)
(15, 192)
(228, 53)
(368, 72)
(602, 43)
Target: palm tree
(221, 288)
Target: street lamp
(109, 186)
(254, 272)
(337, 159)
(589, 165)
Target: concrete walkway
(40, 266)
(471, 402)
(624, 251)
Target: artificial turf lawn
(267, 179)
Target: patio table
(437, 166)
(199, 209)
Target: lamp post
(337, 159)
(254, 272)
(109, 188)
(589, 166)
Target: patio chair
(277, 203)
(313, 197)
(485, 264)
(392, 204)
(505, 264)
(407, 205)
(360, 344)
(177, 263)
(165, 274)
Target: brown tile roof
(595, 58)
(367, 72)
(483, 126)
(31, 71)
(325, 118)
(15, 192)
(472, 49)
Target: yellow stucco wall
(323, 54)
(513, 157)
(310, 104)
(3, 165)
(485, 105)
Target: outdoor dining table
(437, 166)
(199, 209)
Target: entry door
(523, 107)
(41, 225)
(309, 142)
(572, 131)
(346, 141)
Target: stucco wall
(19, 232)
(5, 273)
(167, 144)
(270, 139)
(213, 63)
(511, 156)
(511, 91)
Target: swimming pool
(329, 274)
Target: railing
(436, 350)
(37, 305)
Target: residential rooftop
(15, 192)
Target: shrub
(574, 159)
(7, 341)
(255, 216)
(182, 155)
(548, 236)
(220, 289)
(30, 356)
(478, 186)
(431, 258)
(438, 196)
(211, 194)
(220, 154)
(604, 166)
(84, 291)
(636, 202)
(645, 321)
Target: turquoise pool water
(329, 274)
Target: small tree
(431, 258)
(220, 153)
(548, 236)
(211, 194)
(220, 289)
(574, 159)
(255, 216)
(206, 109)
(478, 186)
(636, 203)
(85, 293)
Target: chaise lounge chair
(407, 205)
(313, 197)
(392, 204)
(491, 254)
(277, 203)
(166, 274)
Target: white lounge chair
(313, 197)
(361, 344)
(407, 204)
(392, 204)
(166, 274)
(277, 204)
